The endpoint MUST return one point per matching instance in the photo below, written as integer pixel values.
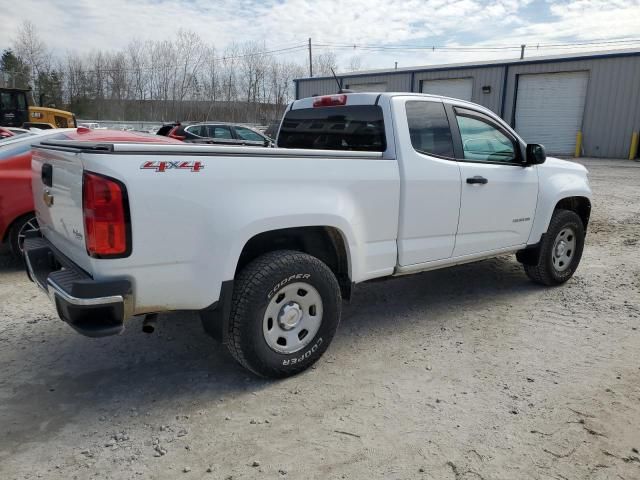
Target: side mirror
(535, 154)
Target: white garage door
(368, 87)
(549, 109)
(461, 88)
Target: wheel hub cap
(564, 249)
(29, 227)
(290, 316)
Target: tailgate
(57, 193)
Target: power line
(470, 48)
(378, 48)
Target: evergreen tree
(15, 72)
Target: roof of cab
(372, 98)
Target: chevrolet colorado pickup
(265, 243)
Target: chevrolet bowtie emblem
(48, 198)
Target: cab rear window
(357, 127)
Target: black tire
(544, 271)
(255, 287)
(26, 222)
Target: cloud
(86, 25)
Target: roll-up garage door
(549, 108)
(368, 87)
(461, 88)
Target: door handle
(477, 179)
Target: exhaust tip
(149, 323)
(148, 328)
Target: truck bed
(193, 208)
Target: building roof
(485, 63)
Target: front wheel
(285, 311)
(560, 251)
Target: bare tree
(355, 64)
(324, 62)
(33, 51)
(180, 78)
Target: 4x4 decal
(169, 165)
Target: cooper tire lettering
(304, 356)
(282, 283)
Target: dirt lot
(468, 373)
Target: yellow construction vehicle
(15, 111)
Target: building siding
(396, 82)
(488, 76)
(612, 105)
(312, 87)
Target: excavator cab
(14, 108)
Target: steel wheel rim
(30, 226)
(292, 318)
(564, 249)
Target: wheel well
(324, 243)
(580, 205)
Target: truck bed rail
(191, 149)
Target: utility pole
(521, 51)
(396, 65)
(310, 60)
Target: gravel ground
(467, 373)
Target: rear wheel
(285, 311)
(19, 230)
(560, 251)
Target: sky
(84, 25)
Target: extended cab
(265, 243)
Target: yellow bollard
(578, 144)
(633, 151)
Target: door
(549, 109)
(219, 132)
(461, 88)
(499, 195)
(430, 194)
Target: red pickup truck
(16, 202)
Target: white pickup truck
(266, 243)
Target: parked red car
(10, 132)
(16, 203)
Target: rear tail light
(175, 133)
(330, 101)
(106, 217)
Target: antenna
(337, 81)
(340, 89)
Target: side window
(61, 122)
(484, 140)
(22, 102)
(219, 131)
(6, 101)
(429, 128)
(199, 130)
(248, 134)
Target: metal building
(586, 103)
